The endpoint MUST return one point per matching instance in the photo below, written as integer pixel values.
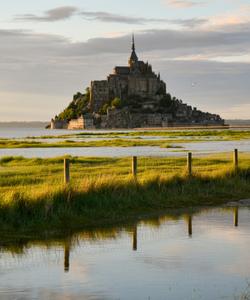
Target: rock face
(58, 124)
(135, 96)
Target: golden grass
(103, 191)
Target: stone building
(83, 122)
(136, 79)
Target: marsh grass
(205, 134)
(119, 142)
(183, 135)
(102, 190)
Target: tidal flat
(190, 134)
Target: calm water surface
(201, 256)
(23, 132)
(200, 148)
(197, 147)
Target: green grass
(102, 191)
(193, 134)
(8, 144)
(172, 135)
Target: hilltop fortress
(132, 96)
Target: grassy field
(103, 192)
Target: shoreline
(23, 238)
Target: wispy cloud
(117, 18)
(66, 12)
(52, 15)
(183, 3)
(103, 16)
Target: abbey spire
(133, 42)
(133, 58)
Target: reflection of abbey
(132, 96)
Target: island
(133, 96)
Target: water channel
(202, 254)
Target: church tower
(133, 61)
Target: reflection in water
(135, 238)
(236, 216)
(165, 256)
(67, 254)
(190, 225)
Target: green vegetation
(103, 192)
(192, 134)
(116, 103)
(112, 104)
(7, 144)
(175, 135)
(78, 106)
(81, 104)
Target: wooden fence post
(66, 171)
(236, 160)
(134, 166)
(189, 164)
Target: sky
(51, 49)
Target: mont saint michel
(133, 96)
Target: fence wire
(39, 172)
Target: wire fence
(21, 172)
(164, 166)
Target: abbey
(132, 96)
(136, 79)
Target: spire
(133, 58)
(133, 42)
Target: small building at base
(83, 122)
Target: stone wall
(99, 94)
(124, 119)
(83, 122)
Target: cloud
(62, 13)
(51, 66)
(117, 18)
(52, 15)
(230, 41)
(175, 43)
(183, 3)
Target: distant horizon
(40, 121)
